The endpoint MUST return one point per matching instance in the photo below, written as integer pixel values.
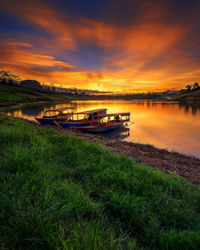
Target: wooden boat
(80, 119)
(107, 123)
(99, 127)
(51, 115)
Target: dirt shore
(185, 166)
(170, 162)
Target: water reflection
(120, 133)
(166, 125)
(190, 108)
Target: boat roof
(65, 108)
(115, 114)
(92, 111)
(59, 109)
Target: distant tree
(53, 88)
(196, 85)
(75, 90)
(8, 75)
(188, 88)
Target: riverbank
(11, 96)
(192, 97)
(62, 192)
(170, 162)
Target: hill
(191, 97)
(11, 95)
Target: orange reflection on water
(164, 125)
(18, 113)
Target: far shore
(12, 96)
(12, 105)
(8, 105)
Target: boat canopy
(116, 114)
(65, 108)
(52, 113)
(117, 117)
(89, 112)
(60, 110)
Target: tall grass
(61, 192)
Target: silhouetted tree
(196, 85)
(8, 75)
(52, 86)
(188, 88)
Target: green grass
(11, 95)
(62, 192)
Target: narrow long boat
(81, 119)
(107, 123)
(99, 128)
(51, 115)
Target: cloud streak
(140, 45)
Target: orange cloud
(144, 54)
(16, 53)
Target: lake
(165, 125)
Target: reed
(62, 192)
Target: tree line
(192, 87)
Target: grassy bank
(10, 95)
(62, 192)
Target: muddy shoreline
(185, 166)
(170, 162)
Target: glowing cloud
(144, 47)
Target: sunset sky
(109, 45)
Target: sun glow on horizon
(146, 51)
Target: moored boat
(106, 123)
(81, 119)
(99, 128)
(51, 115)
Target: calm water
(164, 125)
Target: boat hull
(99, 129)
(69, 124)
(48, 121)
